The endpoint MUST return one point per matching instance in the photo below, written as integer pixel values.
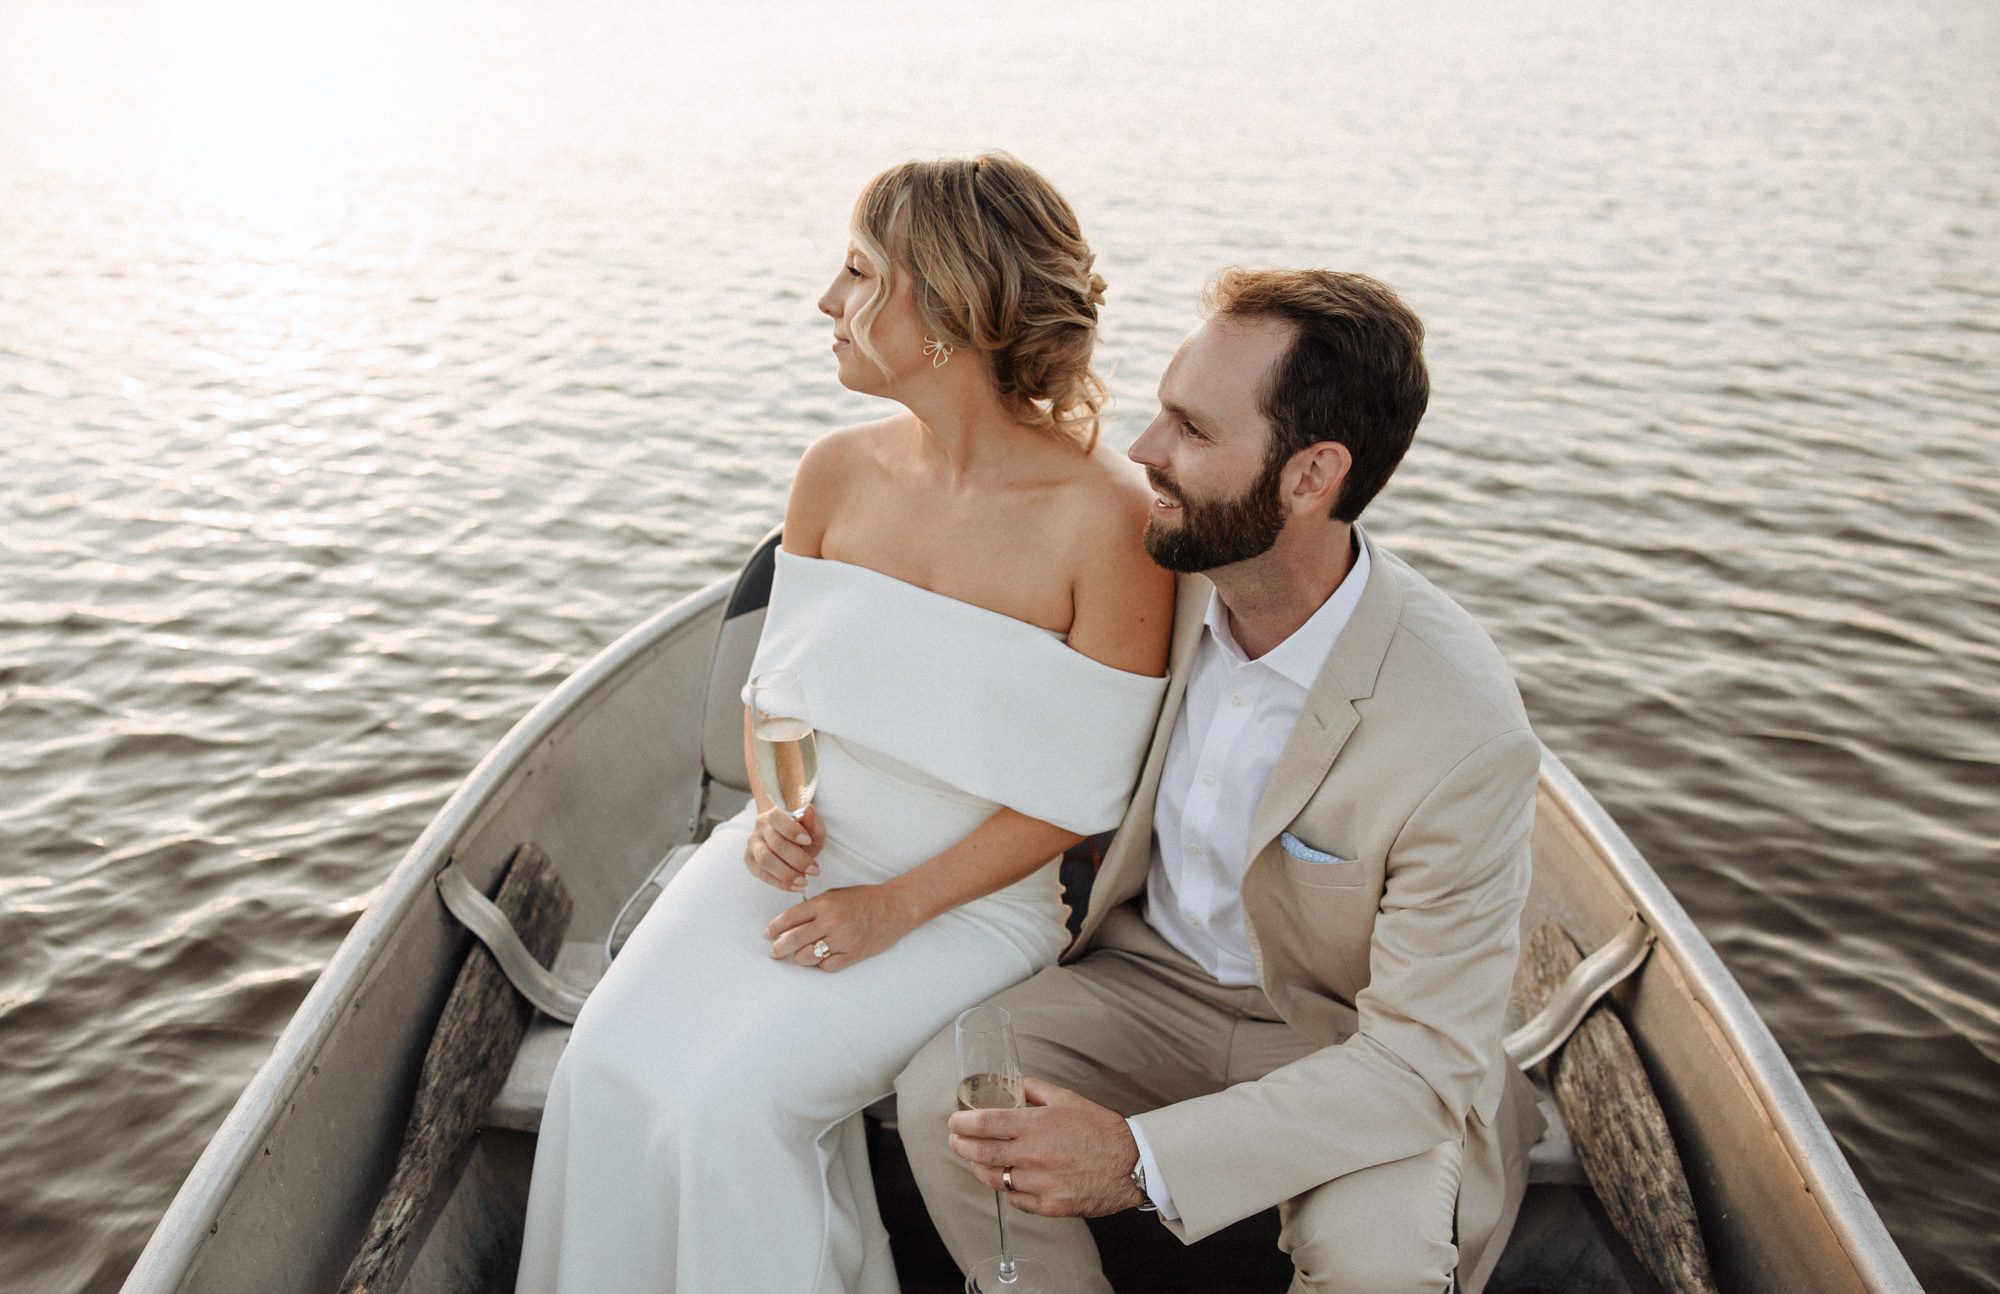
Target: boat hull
(606, 776)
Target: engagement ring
(820, 950)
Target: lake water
(364, 368)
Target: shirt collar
(1300, 657)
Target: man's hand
(1070, 1157)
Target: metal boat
(636, 755)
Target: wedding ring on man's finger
(1007, 1180)
(820, 951)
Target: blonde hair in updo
(1001, 268)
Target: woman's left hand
(856, 921)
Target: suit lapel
(1328, 717)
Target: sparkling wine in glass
(989, 1071)
(783, 751)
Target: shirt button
(1194, 851)
(1208, 779)
(1236, 699)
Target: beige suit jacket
(1413, 760)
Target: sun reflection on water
(260, 105)
(263, 114)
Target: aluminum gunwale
(1827, 1174)
(196, 1208)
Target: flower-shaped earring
(937, 350)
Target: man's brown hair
(1354, 373)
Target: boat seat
(518, 1108)
(526, 1089)
(1552, 1160)
(581, 962)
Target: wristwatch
(1138, 1179)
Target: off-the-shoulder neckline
(1060, 640)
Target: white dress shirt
(1232, 727)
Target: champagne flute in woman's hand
(782, 746)
(989, 1071)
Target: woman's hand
(856, 922)
(783, 850)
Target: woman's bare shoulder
(1124, 600)
(1115, 503)
(832, 467)
(838, 454)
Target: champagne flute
(783, 751)
(989, 1070)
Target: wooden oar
(470, 1054)
(1619, 1130)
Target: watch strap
(1138, 1179)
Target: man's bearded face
(1209, 533)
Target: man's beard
(1218, 532)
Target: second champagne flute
(989, 1069)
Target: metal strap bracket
(1593, 977)
(483, 918)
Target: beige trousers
(1135, 1025)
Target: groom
(1290, 985)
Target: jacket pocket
(1310, 866)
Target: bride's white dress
(702, 1133)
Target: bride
(980, 635)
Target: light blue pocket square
(1305, 853)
